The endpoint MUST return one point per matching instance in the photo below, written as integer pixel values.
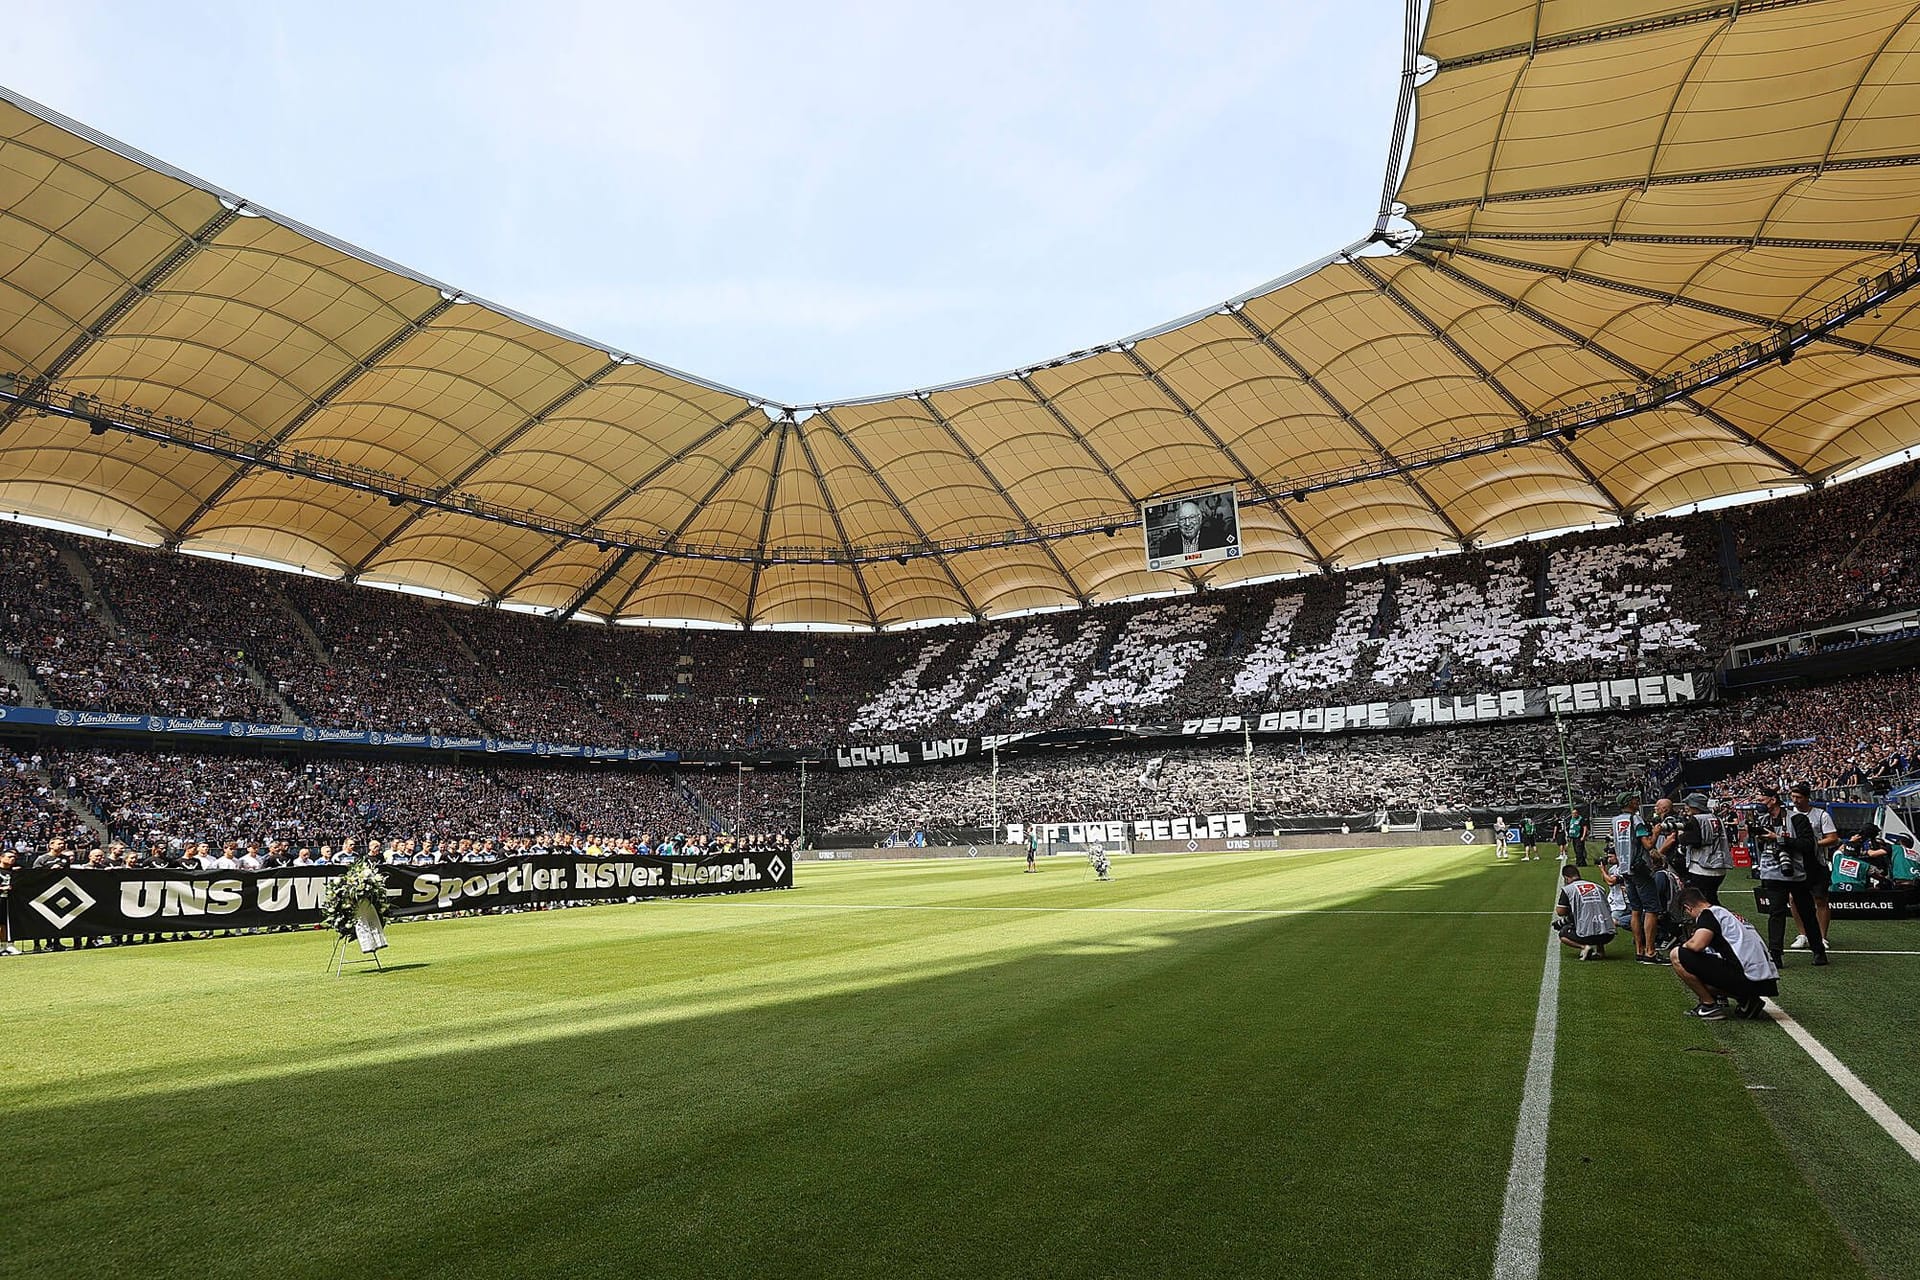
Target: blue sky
(807, 202)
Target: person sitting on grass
(1581, 917)
(1724, 958)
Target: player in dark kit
(1529, 840)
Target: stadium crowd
(1515, 765)
(141, 798)
(111, 627)
(192, 636)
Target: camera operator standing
(1782, 860)
(1633, 849)
(1826, 838)
(1704, 851)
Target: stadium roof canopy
(1641, 256)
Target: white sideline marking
(1856, 1088)
(1517, 1254)
(741, 900)
(1837, 951)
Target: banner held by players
(83, 902)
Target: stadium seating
(191, 636)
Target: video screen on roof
(1196, 529)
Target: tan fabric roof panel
(1602, 195)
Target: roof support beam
(607, 508)
(1619, 362)
(315, 406)
(599, 580)
(1412, 22)
(468, 472)
(1259, 489)
(1086, 446)
(1132, 498)
(766, 518)
(1074, 588)
(1447, 241)
(839, 525)
(1786, 170)
(1486, 375)
(966, 597)
(1347, 416)
(1595, 35)
(693, 513)
(1672, 299)
(103, 324)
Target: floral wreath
(343, 896)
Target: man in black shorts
(1723, 957)
(1581, 917)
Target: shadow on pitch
(1256, 1095)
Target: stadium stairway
(272, 692)
(460, 641)
(303, 625)
(75, 805)
(698, 804)
(82, 574)
(16, 673)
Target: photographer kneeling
(1581, 917)
(1723, 957)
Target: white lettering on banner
(723, 873)
(615, 875)
(1213, 826)
(302, 893)
(143, 898)
(245, 899)
(184, 898)
(1502, 704)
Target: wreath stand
(367, 926)
(341, 957)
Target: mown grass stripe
(1516, 1256)
(1856, 1088)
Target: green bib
(1849, 872)
(1904, 866)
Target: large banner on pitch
(87, 903)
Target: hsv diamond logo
(62, 902)
(777, 867)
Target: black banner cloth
(80, 902)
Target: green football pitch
(1249, 1064)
